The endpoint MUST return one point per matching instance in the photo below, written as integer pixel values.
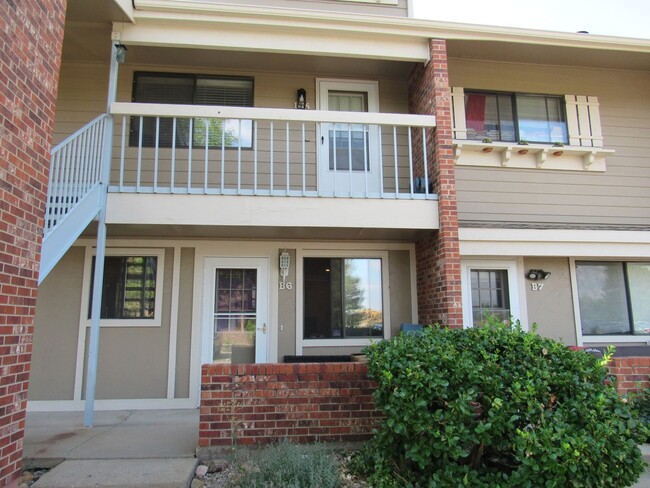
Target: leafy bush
(286, 465)
(496, 407)
(640, 403)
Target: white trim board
(553, 242)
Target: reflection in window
(342, 298)
(235, 315)
(613, 297)
(186, 89)
(490, 294)
(513, 117)
(129, 290)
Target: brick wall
(31, 40)
(259, 403)
(632, 373)
(437, 255)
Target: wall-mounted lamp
(538, 274)
(120, 53)
(301, 99)
(285, 263)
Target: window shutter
(459, 129)
(583, 121)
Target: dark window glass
(513, 117)
(342, 298)
(129, 290)
(191, 90)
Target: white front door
(348, 156)
(235, 311)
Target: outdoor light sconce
(120, 53)
(301, 99)
(285, 262)
(538, 274)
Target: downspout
(98, 280)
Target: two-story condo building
(299, 178)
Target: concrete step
(120, 473)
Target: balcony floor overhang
(222, 216)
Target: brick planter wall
(30, 42)
(260, 403)
(632, 373)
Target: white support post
(98, 280)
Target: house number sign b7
(536, 286)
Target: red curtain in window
(475, 112)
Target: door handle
(322, 139)
(262, 329)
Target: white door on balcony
(235, 306)
(348, 155)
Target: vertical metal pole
(98, 281)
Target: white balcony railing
(183, 149)
(74, 171)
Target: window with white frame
(132, 287)
(490, 287)
(343, 298)
(528, 118)
(187, 89)
(513, 117)
(613, 297)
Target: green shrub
(286, 465)
(496, 407)
(640, 404)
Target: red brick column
(437, 255)
(30, 47)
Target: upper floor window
(514, 117)
(185, 89)
(613, 298)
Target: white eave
(213, 25)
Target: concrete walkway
(144, 448)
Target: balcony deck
(228, 167)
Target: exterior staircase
(75, 190)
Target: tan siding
(54, 354)
(618, 196)
(83, 96)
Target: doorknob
(262, 329)
(322, 139)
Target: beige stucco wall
(551, 308)
(56, 331)
(184, 331)
(133, 361)
(287, 312)
(617, 197)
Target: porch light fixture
(120, 53)
(285, 262)
(538, 274)
(301, 99)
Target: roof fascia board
(126, 6)
(376, 24)
(258, 38)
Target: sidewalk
(143, 448)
